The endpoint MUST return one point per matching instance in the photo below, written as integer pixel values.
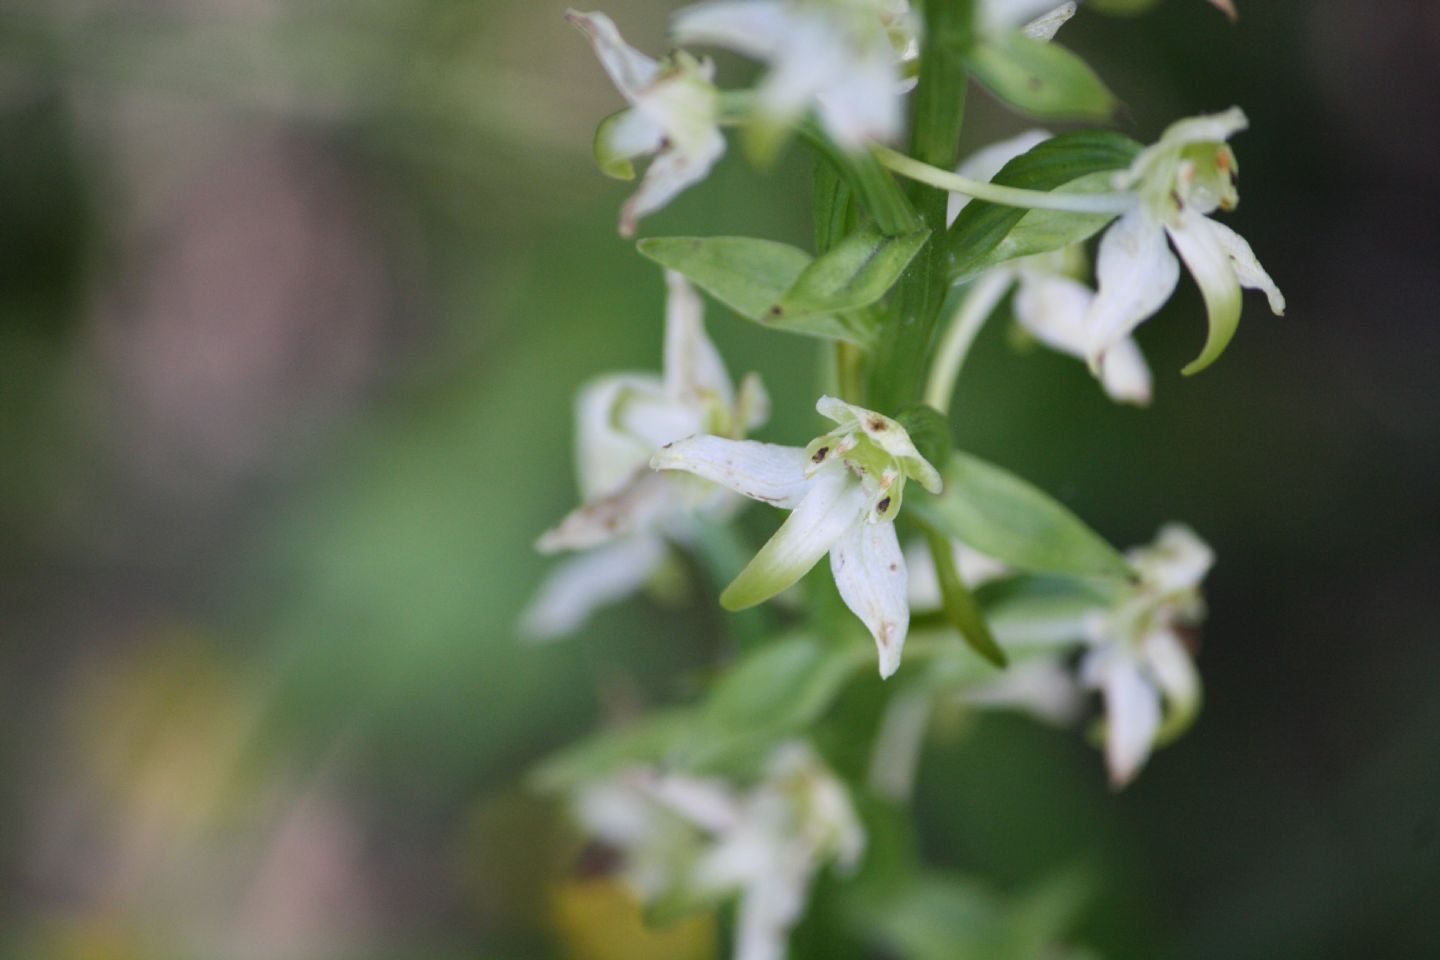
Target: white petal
(1208, 128)
(669, 173)
(1053, 308)
(863, 103)
(1248, 271)
(984, 163)
(1173, 670)
(629, 69)
(1045, 26)
(606, 457)
(628, 135)
(635, 506)
(658, 420)
(766, 472)
(580, 585)
(895, 757)
(1012, 14)
(1126, 375)
(1204, 255)
(753, 408)
(869, 571)
(756, 28)
(836, 502)
(1042, 688)
(1177, 561)
(694, 371)
(1132, 711)
(1136, 273)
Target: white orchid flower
(843, 490)
(1138, 660)
(1180, 181)
(672, 117)
(629, 512)
(703, 839)
(840, 57)
(1049, 303)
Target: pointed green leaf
(960, 607)
(981, 228)
(1001, 515)
(855, 273)
(1040, 78)
(749, 275)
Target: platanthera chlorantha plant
(976, 589)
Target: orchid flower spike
(628, 512)
(1180, 180)
(671, 117)
(1137, 659)
(1050, 303)
(841, 58)
(844, 491)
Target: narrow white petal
(869, 571)
(1136, 273)
(984, 163)
(629, 69)
(1013, 14)
(895, 757)
(1045, 26)
(631, 508)
(1251, 275)
(1053, 308)
(669, 173)
(578, 586)
(1126, 375)
(753, 408)
(836, 502)
(1042, 688)
(606, 457)
(766, 472)
(1173, 670)
(756, 28)
(1132, 712)
(693, 368)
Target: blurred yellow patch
(599, 919)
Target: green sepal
(959, 605)
(612, 164)
(1040, 78)
(856, 272)
(981, 227)
(749, 276)
(1005, 517)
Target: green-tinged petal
(835, 502)
(1175, 673)
(887, 434)
(1135, 274)
(606, 456)
(1007, 518)
(766, 472)
(579, 586)
(1210, 265)
(1045, 26)
(869, 572)
(623, 136)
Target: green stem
(1103, 203)
(899, 359)
(978, 302)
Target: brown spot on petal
(820, 454)
(883, 505)
(877, 424)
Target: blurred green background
(293, 301)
